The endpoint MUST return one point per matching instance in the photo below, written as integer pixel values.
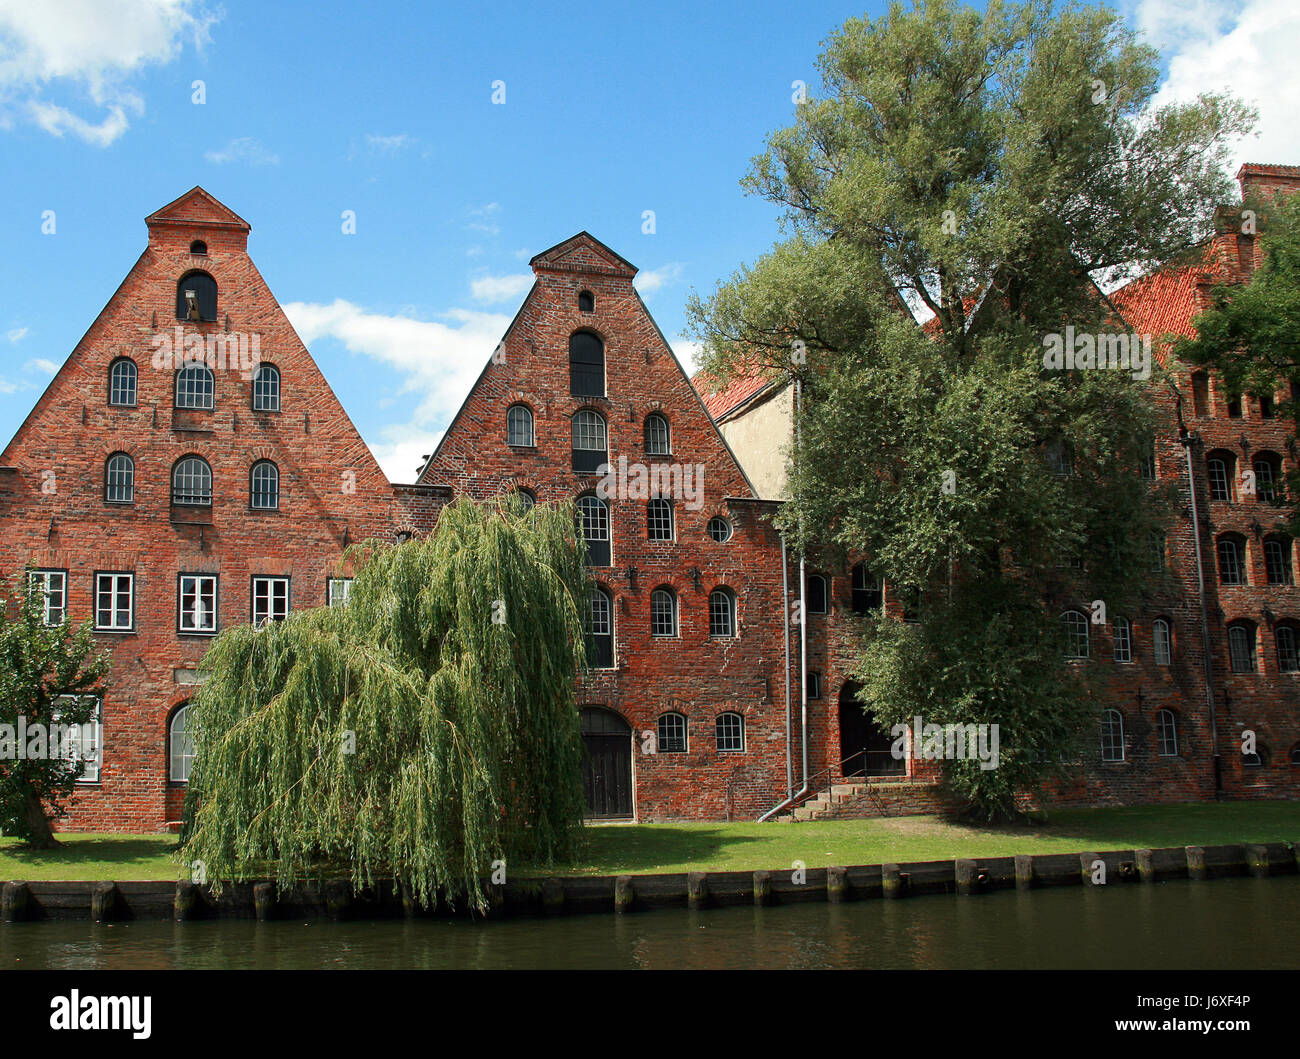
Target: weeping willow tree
(421, 732)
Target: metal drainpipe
(803, 648)
(785, 621)
(1186, 438)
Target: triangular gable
(198, 208)
(583, 253)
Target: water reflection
(1222, 924)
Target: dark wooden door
(607, 770)
(866, 749)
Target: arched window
(868, 590)
(1112, 736)
(1162, 642)
(659, 519)
(656, 435)
(593, 522)
(1123, 640)
(119, 479)
(589, 441)
(1277, 560)
(586, 301)
(1268, 477)
(1288, 657)
(519, 425)
(600, 629)
(1231, 550)
(192, 482)
(195, 387)
(672, 734)
(180, 745)
(730, 730)
(663, 613)
(719, 529)
(264, 486)
(266, 388)
(817, 594)
(198, 247)
(722, 613)
(1147, 460)
(1241, 647)
(123, 379)
(586, 365)
(1166, 733)
(525, 499)
(1074, 627)
(196, 297)
(1220, 469)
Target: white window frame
(205, 588)
(717, 734)
(1111, 721)
(344, 593)
(42, 578)
(186, 759)
(95, 760)
(117, 624)
(268, 583)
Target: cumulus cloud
(436, 359)
(16, 334)
(1245, 47)
(493, 289)
(245, 149)
(688, 353)
(41, 364)
(88, 52)
(651, 280)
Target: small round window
(719, 529)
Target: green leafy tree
(982, 167)
(51, 679)
(1251, 333)
(422, 732)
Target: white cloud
(16, 334)
(688, 352)
(1246, 47)
(435, 359)
(41, 364)
(651, 280)
(483, 219)
(90, 51)
(243, 149)
(493, 289)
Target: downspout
(1186, 438)
(785, 622)
(803, 652)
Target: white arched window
(1112, 736)
(264, 486)
(590, 441)
(593, 521)
(1162, 644)
(722, 613)
(1074, 626)
(266, 389)
(119, 479)
(519, 425)
(192, 482)
(656, 435)
(180, 746)
(195, 387)
(663, 613)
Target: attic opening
(199, 247)
(587, 302)
(196, 297)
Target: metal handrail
(815, 789)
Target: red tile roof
(741, 387)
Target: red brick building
(189, 468)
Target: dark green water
(1231, 923)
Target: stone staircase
(859, 799)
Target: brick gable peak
(585, 254)
(197, 208)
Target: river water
(1227, 923)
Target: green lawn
(642, 848)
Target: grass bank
(680, 847)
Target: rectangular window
(270, 599)
(814, 684)
(80, 742)
(1123, 640)
(53, 587)
(1167, 729)
(114, 602)
(197, 603)
(337, 591)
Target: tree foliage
(51, 676)
(421, 732)
(982, 167)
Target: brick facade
(55, 515)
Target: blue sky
(386, 110)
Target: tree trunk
(38, 824)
